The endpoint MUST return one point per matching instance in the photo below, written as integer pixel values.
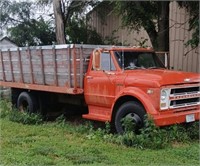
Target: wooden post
(20, 65)
(3, 72)
(81, 67)
(11, 65)
(74, 65)
(55, 66)
(69, 67)
(42, 64)
(30, 65)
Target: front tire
(130, 111)
(27, 103)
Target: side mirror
(96, 62)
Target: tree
(193, 8)
(33, 32)
(153, 16)
(13, 13)
(64, 10)
(79, 32)
(59, 21)
(23, 28)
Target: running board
(98, 113)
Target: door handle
(89, 77)
(110, 73)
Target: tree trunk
(59, 22)
(163, 27)
(152, 35)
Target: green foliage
(194, 26)
(5, 108)
(6, 111)
(25, 118)
(150, 136)
(138, 14)
(61, 121)
(84, 144)
(113, 39)
(193, 8)
(142, 42)
(13, 12)
(18, 18)
(79, 32)
(33, 32)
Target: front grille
(185, 90)
(185, 96)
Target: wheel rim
(131, 122)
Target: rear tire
(27, 103)
(134, 112)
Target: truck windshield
(129, 60)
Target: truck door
(100, 80)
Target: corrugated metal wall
(111, 27)
(181, 58)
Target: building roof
(5, 42)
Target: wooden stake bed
(58, 68)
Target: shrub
(25, 118)
(5, 108)
(193, 130)
(61, 120)
(151, 136)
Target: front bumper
(175, 117)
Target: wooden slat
(46, 67)
(42, 65)
(3, 72)
(55, 66)
(74, 67)
(69, 68)
(81, 67)
(20, 65)
(46, 88)
(30, 65)
(11, 66)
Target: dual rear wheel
(27, 102)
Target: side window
(107, 62)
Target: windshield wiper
(155, 67)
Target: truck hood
(159, 77)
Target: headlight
(164, 99)
(163, 95)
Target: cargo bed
(57, 68)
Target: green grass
(71, 143)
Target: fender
(140, 95)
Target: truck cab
(132, 83)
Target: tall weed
(151, 136)
(5, 108)
(25, 118)
(6, 111)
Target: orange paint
(103, 88)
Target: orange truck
(112, 82)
